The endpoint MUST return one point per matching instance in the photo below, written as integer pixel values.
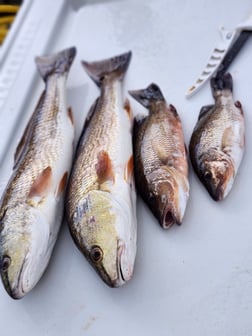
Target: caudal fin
(222, 82)
(115, 67)
(146, 96)
(59, 63)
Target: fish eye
(207, 175)
(5, 264)
(96, 254)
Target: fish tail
(115, 66)
(55, 64)
(148, 95)
(222, 81)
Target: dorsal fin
(87, 122)
(25, 139)
(204, 110)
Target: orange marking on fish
(62, 184)
(129, 170)
(103, 167)
(42, 183)
(70, 115)
(128, 109)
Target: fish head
(99, 231)
(168, 194)
(21, 250)
(217, 173)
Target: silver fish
(31, 207)
(101, 198)
(217, 143)
(160, 160)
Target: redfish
(217, 143)
(160, 160)
(101, 200)
(31, 208)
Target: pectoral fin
(42, 184)
(104, 168)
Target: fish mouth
(17, 292)
(168, 218)
(219, 192)
(121, 279)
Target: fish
(101, 197)
(32, 204)
(160, 157)
(218, 140)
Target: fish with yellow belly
(101, 200)
(31, 208)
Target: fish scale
(217, 123)
(101, 199)
(161, 167)
(94, 143)
(31, 208)
(35, 161)
(217, 142)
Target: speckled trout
(101, 200)
(160, 160)
(217, 143)
(31, 208)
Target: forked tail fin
(147, 96)
(58, 63)
(115, 67)
(222, 82)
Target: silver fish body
(217, 143)
(160, 160)
(31, 208)
(101, 198)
